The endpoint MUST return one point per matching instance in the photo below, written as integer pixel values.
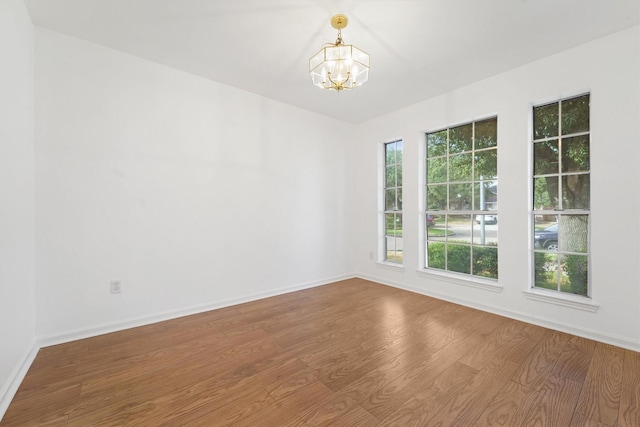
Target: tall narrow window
(461, 218)
(393, 201)
(561, 203)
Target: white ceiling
(418, 48)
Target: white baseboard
(68, 336)
(10, 388)
(617, 341)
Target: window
(561, 187)
(393, 201)
(461, 217)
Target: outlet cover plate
(116, 287)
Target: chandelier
(339, 66)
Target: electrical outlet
(116, 287)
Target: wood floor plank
(600, 396)
(537, 365)
(509, 407)
(559, 394)
(425, 401)
(468, 403)
(350, 353)
(629, 413)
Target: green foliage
(485, 261)
(437, 144)
(575, 115)
(486, 165)
(451, 159)
(577, 270)
(575, 191)
(575, 154)
(460, 138)
(437, 197)
(544, 196)
(545, 157)
(545, 121)
(437, 170)
(393, 224)
(544, 278)
(486, 135)
(393, 176)
(436, 255)
(459, 258)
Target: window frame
(396, 211)
(464, 278)
(559, 296)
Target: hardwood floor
(352, 353)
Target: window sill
(571, 301)
(390, 266)
(475, 282)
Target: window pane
(459, 258)
(486, 164)
(399, 174)
(399, 199)
(490, 201)
(436, 255)
(546, 267)
(485, 233)
(476, 197)
(390, 203)
(391, 245)
(460, 167)
(390, 153)
(394, 249)
(545, 121)
(437, 170)
(390, 176)
(545, 157)
(485, 262)
(545, 193)
(575, 154)
(575, 191)
(460, 197)
(575, 115)
(573, 232)
(486, 134)
(460, 139)
(389, 222)
(436, 229)
(574, 274)
(459, 228)
(545, 237)
(436, 197)
(398, 225)
(437, 144)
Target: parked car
(547, 238)
(488, 219)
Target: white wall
(17, 306)
(609, 69)
(192, 193)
